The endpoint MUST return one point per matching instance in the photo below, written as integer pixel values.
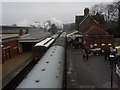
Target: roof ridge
(91, 17)
(89, 29)
(25, 35)
(84, 19)
(94, 19)
(102, 30)
(97, 28)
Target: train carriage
(40, 48)
(49, 71)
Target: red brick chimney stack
(86, 11)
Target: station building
(93, 29)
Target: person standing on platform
(85, 54)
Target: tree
(119, 14)
(109, 11)
(100, 8)
(111, 14)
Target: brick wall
(99, 42)
(9, 50)
(86, 24)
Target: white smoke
(57, 23)
(24, 22)
(46, 25)
(39, 24)
(36, 24)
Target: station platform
(13, 66)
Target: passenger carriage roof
(43, 42)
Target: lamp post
(111, 64)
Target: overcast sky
(29, 12)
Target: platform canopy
(75, 33)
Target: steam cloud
(45, 25)
(57, 23)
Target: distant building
(93, 29)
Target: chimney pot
(86, 11)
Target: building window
(8, 52)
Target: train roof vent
(43, 69)
(37, 81)
(52, 51)
(47, 62)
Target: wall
(86, 24)
(9, 50)
(99, 41)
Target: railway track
(19, 77)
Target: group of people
(107, 53)
(74, 42)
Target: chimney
(23, 32)
(20, 32)
(86, 12)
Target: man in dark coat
(85, 53)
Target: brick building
(9, 36)
(9, 46)
(97, 37)
(15, 40)
(93, 29)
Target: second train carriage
(48, 72)
(40, 48)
